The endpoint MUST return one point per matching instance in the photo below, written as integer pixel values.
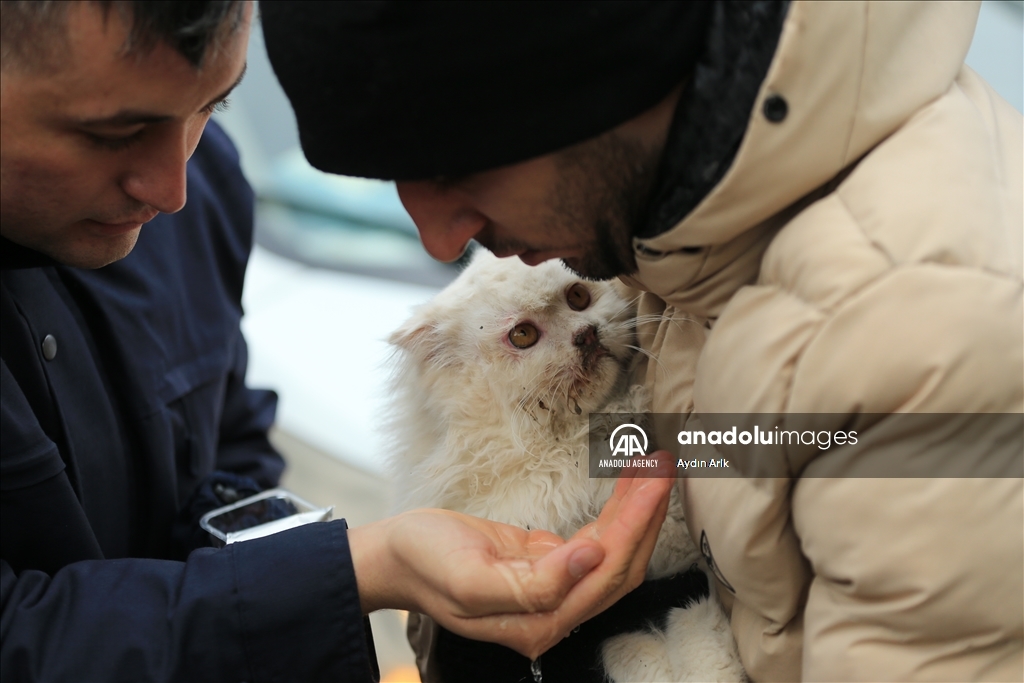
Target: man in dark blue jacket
(123, 387)
(124, 408)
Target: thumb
(551, 577)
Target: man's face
(581, 204)
(94, 146)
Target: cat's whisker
(650, 355)
(516, 422)
(654, 317)
(632, 323)
(564, 384)
(627, 306)
(676, 320)
(531, 397)
(641, 320)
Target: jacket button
(49, 347)
(775, 108)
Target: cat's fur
(485, 428)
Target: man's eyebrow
(130, 117)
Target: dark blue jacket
(104, 441)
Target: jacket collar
(714, 107)
(850, 73)
(14, 256)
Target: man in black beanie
(822, 208)
(443, 91)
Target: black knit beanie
(417, 90)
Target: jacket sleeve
(283, 607)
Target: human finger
(632, 567)
(627, 541)
(628, 529)
(535, 581)
(473, 567)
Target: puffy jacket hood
(850, 74)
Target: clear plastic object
(261, 515)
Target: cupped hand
(499, 583)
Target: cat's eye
(578, 297)
(523, 336)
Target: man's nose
(157, 178)
(445, 218)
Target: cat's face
(508, 336)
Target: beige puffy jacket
(863, 255)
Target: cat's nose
(585, 336)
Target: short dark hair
(30, 30)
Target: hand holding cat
(499, 583)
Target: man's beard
(608, 256)
(601, 200)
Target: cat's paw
(700, 644)
(696, 645)
(638, 657)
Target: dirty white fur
(696, 645)
(482, 427)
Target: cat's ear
(422, 338)
(412, 334)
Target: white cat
(493, 384)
